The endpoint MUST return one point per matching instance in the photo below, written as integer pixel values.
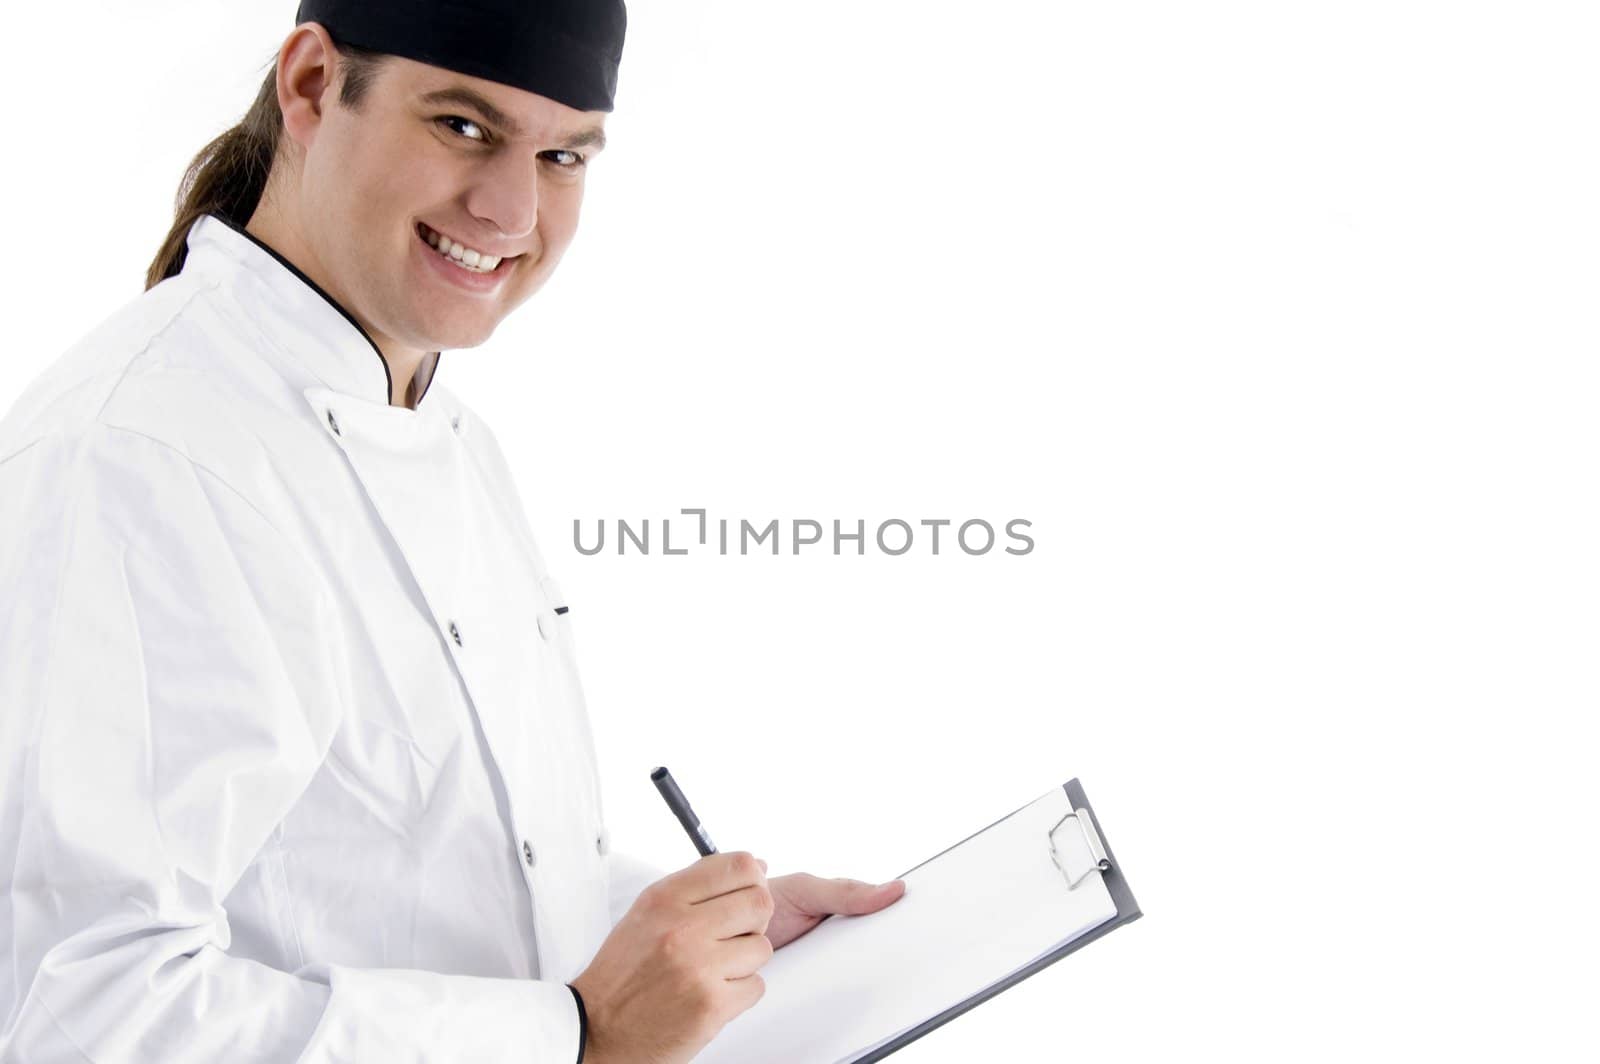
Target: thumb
(850, 897)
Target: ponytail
(229, 175)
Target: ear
(306, 63)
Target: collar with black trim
(315, 329)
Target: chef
(296, 762)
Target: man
(296, 762)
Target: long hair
(230, 174)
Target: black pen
(680, 809)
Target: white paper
(969, 918)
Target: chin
(457, 339)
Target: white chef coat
(296, 763)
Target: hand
(800, 901)
(679, 964)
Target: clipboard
(1082, 819)
(997, 907)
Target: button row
(333, 423)
(545, 623)
(602, 845)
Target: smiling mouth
(461, 256)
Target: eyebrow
(471, 98)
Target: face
(434, 156)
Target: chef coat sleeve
(173, 681)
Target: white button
(455, 424)
(332, 423)
(547, 625)
(602, 842)
(455, 633)
(527, 852)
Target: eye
(567, 160)
(447, 119)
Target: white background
(1276, 320)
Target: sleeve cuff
(404, 1016)
(583, 1022)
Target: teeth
(469, 259)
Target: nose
(506, 193)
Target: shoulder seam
(148, 343)
(308, 565)
(213, 474)
(23, 449)
(127, 366)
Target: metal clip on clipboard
(1091, 839)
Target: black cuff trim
(583, 1022)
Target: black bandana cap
(566, 50)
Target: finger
(740, 912)
(751, 990)
(758, 878)
(844, 896)
(715, 875)
(736, 958)
(884, 895)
